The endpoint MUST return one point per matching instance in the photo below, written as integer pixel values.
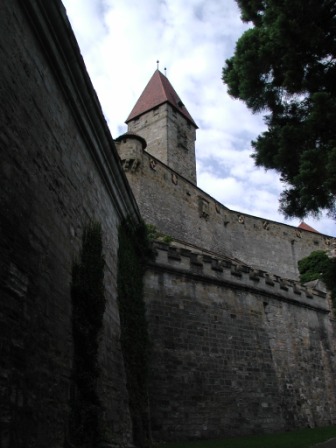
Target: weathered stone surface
(188, 214)
(238, 345)
(231, 356)
(57, 172)
(170, 138)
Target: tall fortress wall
(178, 208)
(238, 345)
(235, 351)
(58, 171)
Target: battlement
(213, 269)
(182, 210)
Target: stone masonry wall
(58, 171)
(232, 347)
(180, 209)
(170, 138)
(155, 134)
(235, 351)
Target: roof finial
(157, 64)
(165, 70)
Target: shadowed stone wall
(235, 351)
(59, 170)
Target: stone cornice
(52, 28)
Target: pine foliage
(285, 65)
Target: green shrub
(154, 234)
(313, 266)
(319, 266)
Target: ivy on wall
(134, 248)
(318, 266)
(88, 306)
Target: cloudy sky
(121, 40)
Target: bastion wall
(235, 350)
(237, 347)
(181, 210)
(59, 170)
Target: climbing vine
(134, 248)
(88, 306)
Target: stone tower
(160, 117)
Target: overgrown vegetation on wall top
(318, 266)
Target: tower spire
(159, 91)
(160, 117)
(157, 64)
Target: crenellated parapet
(225, 271)
(178, 208)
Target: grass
(303, 438)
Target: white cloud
(121, 41)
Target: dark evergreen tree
(286, 65)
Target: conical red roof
(158, 91)
(305, 226)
